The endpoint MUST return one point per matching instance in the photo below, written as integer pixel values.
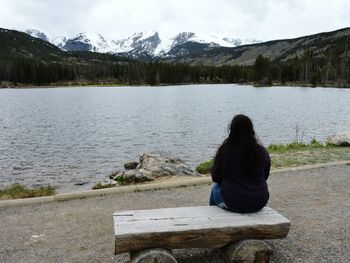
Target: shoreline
(255, 85)
(163, 184)
(284, 157)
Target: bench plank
(195, 227)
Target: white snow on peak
(164, 46)
(97, 42)
(59, 41)
(184, 37)
(130, 43)
(37, 34)
(33, 32)
(146, 34)
(212, 39)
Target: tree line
(307, 68)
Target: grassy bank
(297, 154)
(17, 191)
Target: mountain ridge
(277, 50)
(139, 45)
(183, 50)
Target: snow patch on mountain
(59, 41)
(213, 41)
(37, 34)
(87, 42)
(239, 42)
(147, 41)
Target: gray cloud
(263, 19)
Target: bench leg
(247, 251)
(154, 255)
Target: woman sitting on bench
(240, 170)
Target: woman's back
(243, 191)
(241, 168)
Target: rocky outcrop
(339, 139)
(150, 167)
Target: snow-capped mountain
(143, 45)
(240, 42)
(37, 34)
(87, 42)
(58, 41)
(144, 41)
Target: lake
(73, 138)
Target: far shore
(114, 84)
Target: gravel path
(316, 201)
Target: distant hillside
(29, 60)
(15, 44)
(322, 44)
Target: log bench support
(247, 251)
(244, 251)
(155, 255)
(149, 235)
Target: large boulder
(339, 139)
(163, 166)
(152, 166)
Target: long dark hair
(241, 139)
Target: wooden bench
(149, 235)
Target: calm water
(68, 136)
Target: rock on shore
(339, 139)
(150, 167)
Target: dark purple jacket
(241, 191)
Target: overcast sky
(260, 19)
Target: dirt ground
(317, 202)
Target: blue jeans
(216, 197)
